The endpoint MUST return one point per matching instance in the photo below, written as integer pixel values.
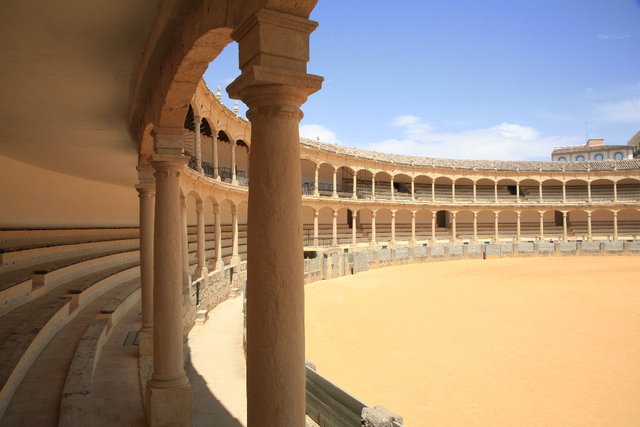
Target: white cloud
(506, 141)
(313, 131)
(405, 120)
(621, 111)
(615, 36)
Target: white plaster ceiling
(66, 74)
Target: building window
(598, 157)
(618, 156)
(562, 159)
(580, 159)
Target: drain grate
(131, 340)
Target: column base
(412, 242)
(235, 260)
(171, 406)
(201, 272)
(219, 265)
(145, 342)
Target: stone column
(234, 177)
(335, 186)
(216, 174)
(517, 191)
(373, 228)
(589, 236)
(564, 192)
(201, 269)
(453, 191)
(541, 226)
(453, 226)
(433, 190)
(475, 226)
(495, 191)
(393, 194)
(216, 218)
(235, 258)
(518, 234)
(334, 229)
(355, 186)
(354, 237)
(273, 51)
(615, 225)
(373, 186)
(433, 226)
(315, 182)
(413, 190)
(146, 193)
(589, 191)
(565, 233)
(198, 143)
(413, 228)
(315, 227)
(475, 197)
(540, 189)
(495, 226)
(169, 395)
(615, 191)
(186, 275)
(393, 228)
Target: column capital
(168, 141)
(199, 206)
(234, 209)
(393, 214)
(316, 213)
(161, 162)
(216, 208)
(335, 213)
(354, 213)
(197, 120)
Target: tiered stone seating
(628, 191)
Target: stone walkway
(217, 371)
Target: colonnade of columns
(214, 148)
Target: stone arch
(383, 185)
(422, 187)
(325, 179)
(308, 176)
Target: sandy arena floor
(512, 342)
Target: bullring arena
(448, 292)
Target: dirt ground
(511, 342)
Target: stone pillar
(216, 218)
(589, 236)
(273, 51)
(234, 177)
(315, 227)
(315, 182)
(373, 186)
(495, 225)
(517, 191)
(475, 226)
(198, 143)
(495, 191)
(335, 186)
(393, 228)
(355, 185)
(433, 190)
(589, 191)
(615, 225)
(540, 190)
(615, 191)
(235, 258)
(186, 275)
(453, 226)
(393, 194)
(354, 237)
(334, 229)
(413, 228)
(564, 192)
(475, 197)
(541, 226)
(146, 193)
(373, 228)
(413, 190)
(201, 269)
(518, 234)
(169, 395)
(433, 226)
(453, 191)
(216, 174)
(565, 233)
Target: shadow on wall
(205, 405)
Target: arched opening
(629, 224)
(507, 225)
(402, 186)
(464, 225)
(464, 190)
(383, 226)
(383, 185)
(423, 225)
(308, 215)
(443, 190)
(530, 190)
(507, 190)
(344, 180)
(403, 225)
(308, 177)
(242, 163)
(551, 191)
(577, 190)
(224, 156)
(363, 184)
(602, 190)
(486, 226)
(529, 225)
(325, 180)
(422, 188)
(628, 189)
(325, 226)
(485, 190)
(364, 225)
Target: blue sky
(496, 79)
